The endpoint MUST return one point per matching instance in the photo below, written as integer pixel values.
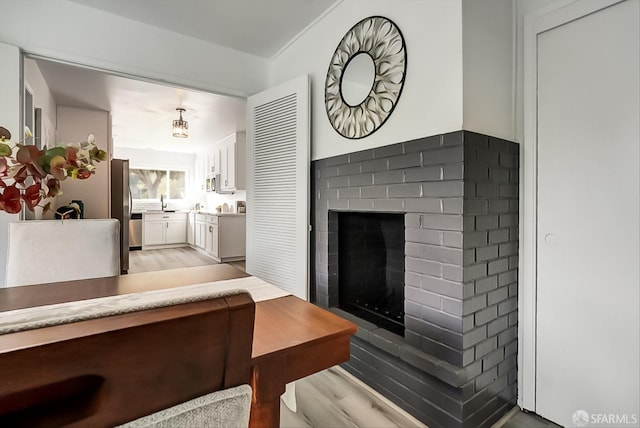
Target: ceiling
(142, 112)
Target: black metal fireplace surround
(371, 266)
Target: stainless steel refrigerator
(121, 206)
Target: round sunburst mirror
(365, 77)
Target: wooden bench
(107, 371)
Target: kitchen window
(151, 183)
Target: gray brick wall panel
(442, 319)
(493, 359)
(460, 253)
(486, 190)
(452, 306)
(486, 222)
(431, 173)
(474, 336)
(442, 254)
(423, 205)
(485, 315)
(497, 295)
(442, 286)
(475, 272)
(499, 175)
(408, 190)
(423, 266)
(452, 239)
(388, 205)
(476, 206)
(485, 347)
(423, 297)
(360, 156)
(486, 378)
(421, 144)
(336, 182)
(453, 171)
(360, 204)
(498, 266)
(476, 239)
(337, 160)
(376, 165)
(388, 151)
(443, 188)
(374, 192)
(405, 161)
(442, 351)
(507, 278)
(452, 272)
(452, 205)
(389, 177)
(350, 169)
(424, 236)
(361, 180)
(498, 236)
(452, 138)
(443, 156)
(348, 193)
(487, 253)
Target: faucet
(162, 204)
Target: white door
(278, 186)
(588, 278)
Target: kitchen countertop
(216, 213)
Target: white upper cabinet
(232, 152)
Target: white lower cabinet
(191, 228)
(222, 237)
(211, 237)
(164, 230)
(199, 232)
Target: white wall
(431, 100)
(488, 49)
(9, 119)
(42, 98)
(72, 32)
(75, 125)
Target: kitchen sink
(159, 211)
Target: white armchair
(42, 251)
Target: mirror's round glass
(357, 79)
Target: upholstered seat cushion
(228, 408)
(42, 251)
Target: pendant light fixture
(180, 126)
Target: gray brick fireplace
(455, 363)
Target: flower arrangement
(29, 174)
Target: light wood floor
(331, 398)
(171, 258)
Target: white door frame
(537, 22)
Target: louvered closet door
(278, 186)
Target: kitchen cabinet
(232, 154)
(164, 230)
(191, 226)
(211, 236)
(213, 159)
(199, 232)
(222, 237)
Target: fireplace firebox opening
(371, 267)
